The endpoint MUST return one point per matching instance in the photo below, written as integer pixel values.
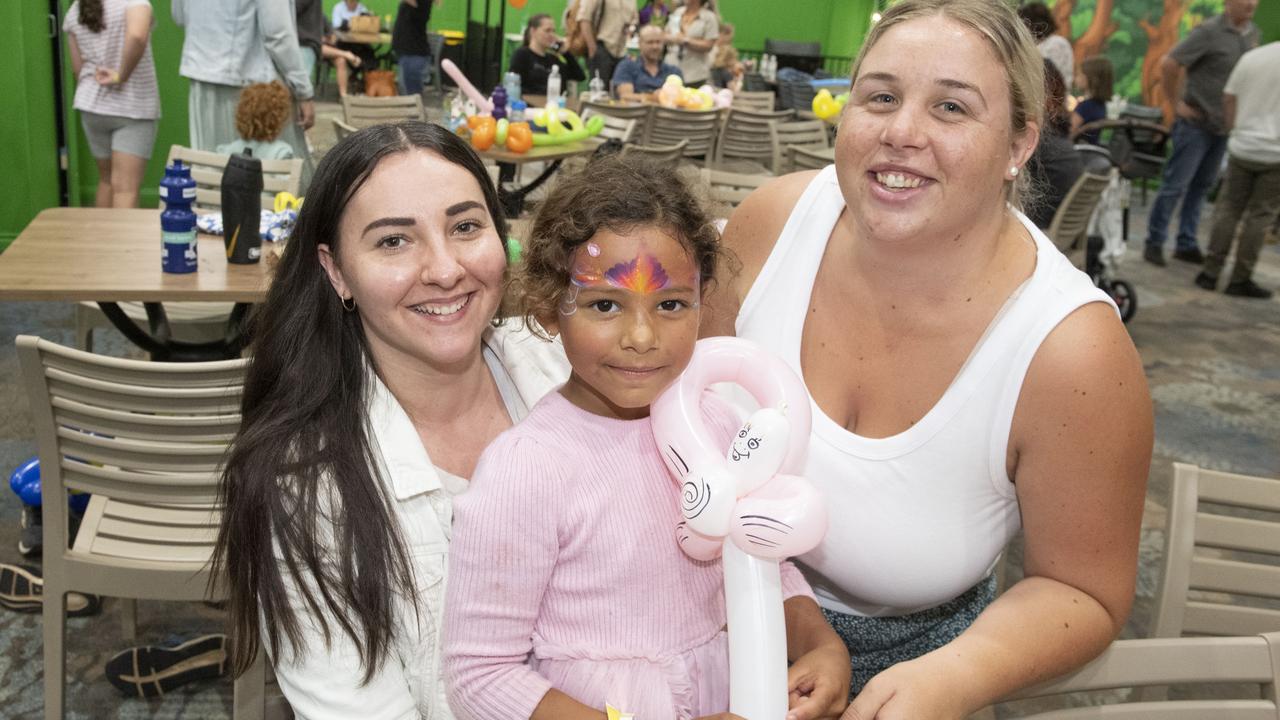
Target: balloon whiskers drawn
(745, 503)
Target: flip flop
(151, 671)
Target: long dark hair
(91, 15)
(302, 472)
(534, 22)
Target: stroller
(1134, 150)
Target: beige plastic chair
(640, 113)
(808, 134)
(341, 130)
(802, 158)
(1071, 221)
(360, 111)
(615, 128)
(1163, 661)
(147, 440)
(759, 101)
(698, 127)
(748, 141)
(668, 155)
(196, 321)
(1194, 543)
(732, 188)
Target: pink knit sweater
(564, 572)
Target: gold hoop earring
(348, 304)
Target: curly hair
(616, 194)
(263, 110)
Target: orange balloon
(519, 4)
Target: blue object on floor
(25, 483)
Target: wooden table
(113, 255)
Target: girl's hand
(106, 76)
(818, 683)
(721, 716)
(908, 690)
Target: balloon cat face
(743, 444)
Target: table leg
(159, 343)
(513, 200)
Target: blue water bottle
(178, 221)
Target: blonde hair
(1013, 46)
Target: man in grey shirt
(1204, 59)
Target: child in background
(261, 114)
(1097, 85)
(567, 589)
(726, 70)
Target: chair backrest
(1144, 140)
(802, 158)
(760, 101)
(1164, 661)
(615, 128)
(732, 188)
(206, 170)
(750, 135)
(361, 111)
(1211, 514)
(1071, 220)
(639, 113)
(668, 126)
(668, 154)
(341, 130)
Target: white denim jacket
(241, 42)
(321, 684)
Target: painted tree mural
(1134, 34)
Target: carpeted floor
(1213, 364)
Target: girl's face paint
(628, 320)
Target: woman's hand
(818, 683)
(908, 691)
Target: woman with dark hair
(1099, 82)
(116, 91)
(378, 375)
(540, 52)
(1055, 166)
(1053, 47)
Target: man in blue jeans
(1205, 59)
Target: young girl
(566, 587)
(261, 114)
(1097, 85)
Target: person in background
(235, 43)
(692, 31)
(377, 377)
(1055, 165)
(1098, 82)
(409, 42)
(637, 80)
(960, 365)
(539, 52)
(1052, 46)
(1192, 75)
(605, 26)
(1251, 198)
(116, 92)
(726, 69)
(341, 20)
(261, 114)
(654, 12)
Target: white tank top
(922, 516)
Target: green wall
(28, 143)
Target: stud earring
(1013, 171)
